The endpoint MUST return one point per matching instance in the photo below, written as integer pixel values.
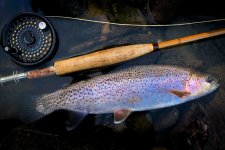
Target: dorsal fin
(180, 93)
(120, 115)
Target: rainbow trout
(137, 88)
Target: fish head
(200, 84)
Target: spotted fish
(137, 88)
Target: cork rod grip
(101, 58)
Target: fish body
(137, 88)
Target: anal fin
(74, 118)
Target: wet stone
(192, 130)
(165, 119)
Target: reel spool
(29, 39)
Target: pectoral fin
(180, 93)
(121, 115)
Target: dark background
(198, 125)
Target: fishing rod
(105, 57)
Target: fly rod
(105, 57)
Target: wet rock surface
(138, 11)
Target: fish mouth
(213, 81)
(214, 84)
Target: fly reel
(29, 39)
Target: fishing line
(141, 25)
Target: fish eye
(210, 79)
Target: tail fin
(37, 107)
(28, 112)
